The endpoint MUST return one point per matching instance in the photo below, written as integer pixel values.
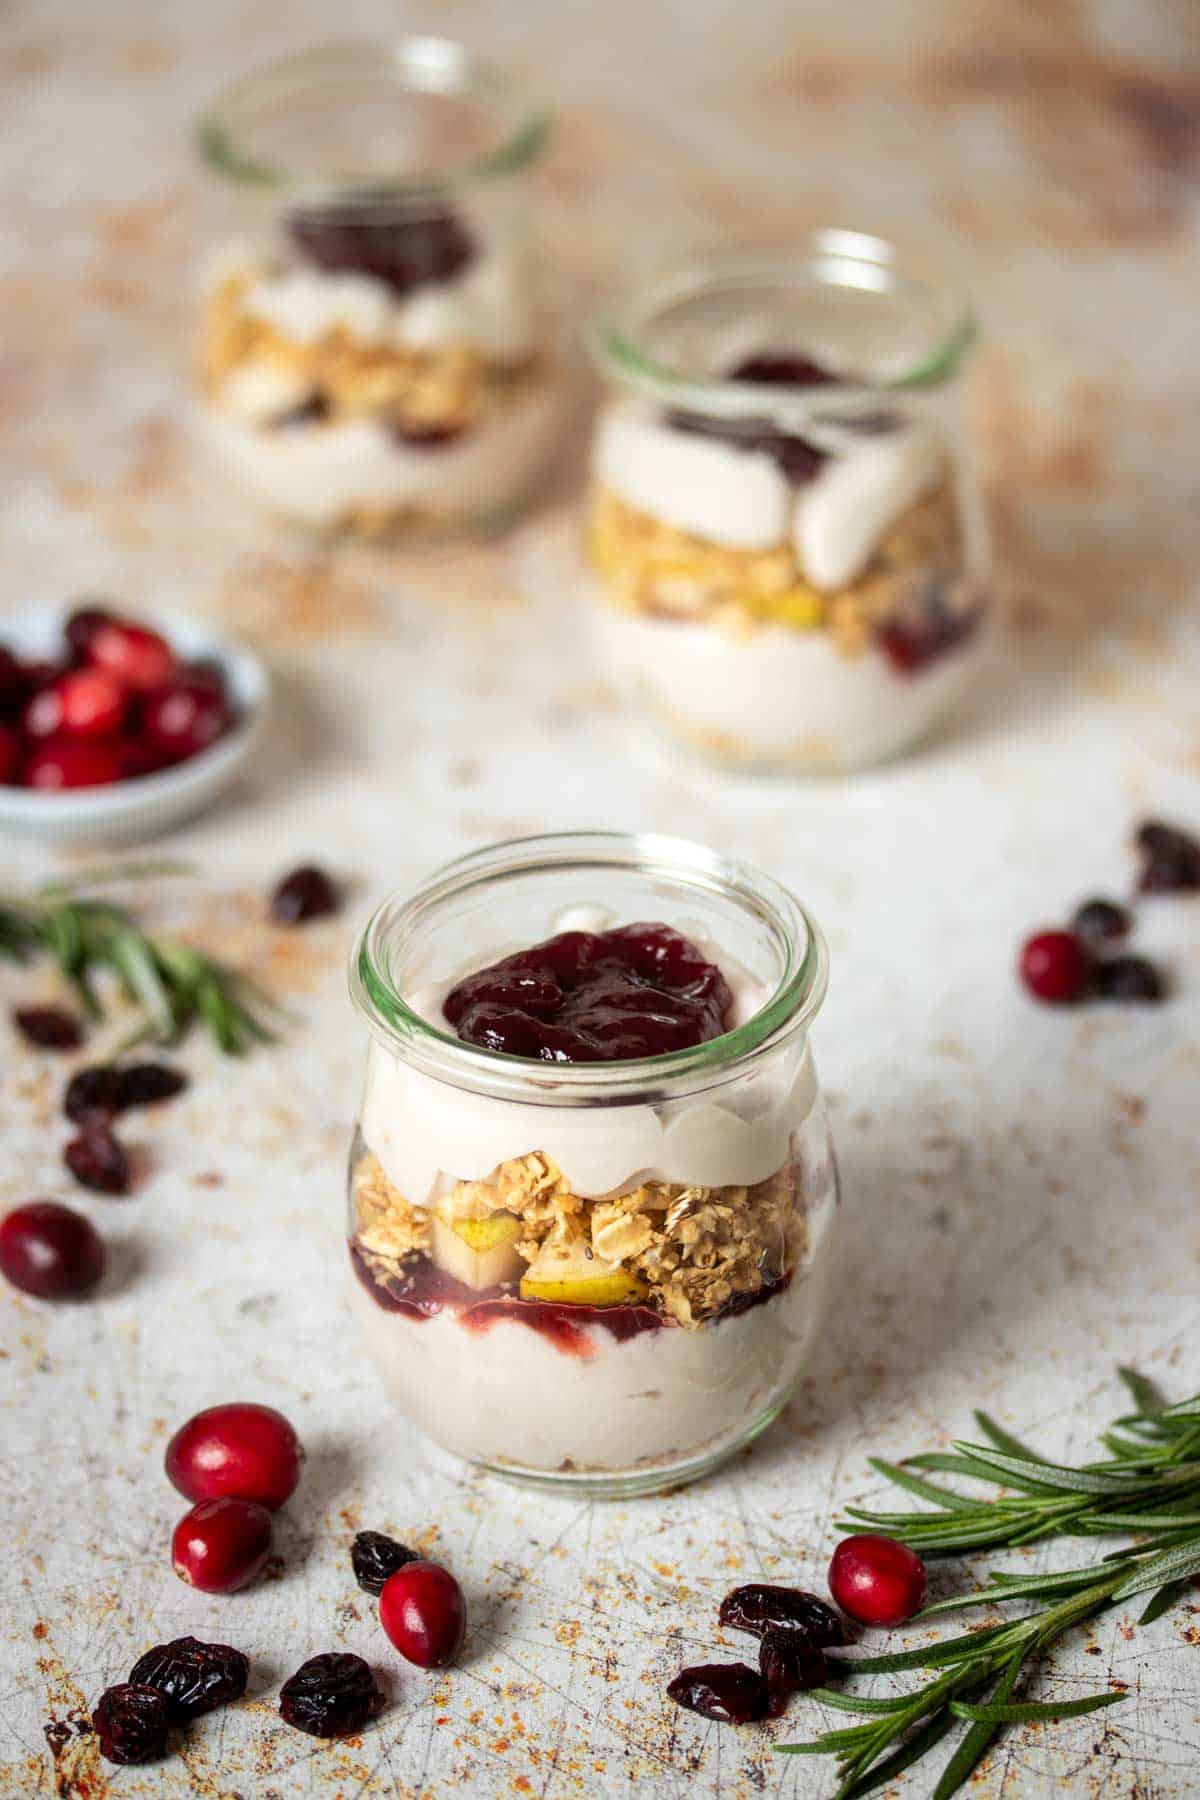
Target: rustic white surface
(1021, 1187)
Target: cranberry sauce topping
(910, 645)
(405, 251)
(796, 457)
(588, 996)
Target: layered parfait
(384, 358)
(618, 1287)
(784, 549)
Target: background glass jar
(379, 348)
(603, 1276)
(785, 544)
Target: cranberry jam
(583, 996)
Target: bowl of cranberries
(114, 727)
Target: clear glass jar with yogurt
(380, 348)
(785, 547)
(603, 1274)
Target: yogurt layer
(776, 695)
(508, 1395)
(319, 473)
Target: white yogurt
(509, 1395)
(777, 697)
(853, 502)
(318, 473)
(736, 498)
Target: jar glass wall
(785, 548)
(379, 345)
(596, 1275)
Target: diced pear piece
(565, 1272)
(481, 1253)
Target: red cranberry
(83, 703)
(48, 1027)
(82, 627)
(731, 1693)
(10, 754)
(242, 1450)
(877, 1580)
(12, 682)
(66, 763)
(97, 1160)
(423, 1612)
(910, 645)
(138, 756)
(1055, 967)
(48, 1250)
(184, 718)
(221, 1545)
(139, 658)
(306, 893)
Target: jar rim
(828, 258)
(427, 65)
(443, 1055)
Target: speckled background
(1021, 1187)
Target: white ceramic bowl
(126, 810)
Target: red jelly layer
(585, 996)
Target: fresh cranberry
(306, 893)
(184, 718)
(10, 755)
(86, 703)
(12, 682)
(221, 1545)
(137, 756)
(406, 251)
(138, 657)
(1101, 921)
(330, 1695)
(82, 627)
(130, 1722)
(241, 1450)
(640, 990)
(1130, 979)
(48, 1027)
(731, 1693)
(48, 1250)
(66, 763)
(423, 1612)
(877, 1580)
(760, 1607)
(1171, 859)
(1056, 967)
(97, 1159)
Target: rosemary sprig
(172, 985)
(1149, 1484)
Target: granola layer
(698, 1250)
(652, 568)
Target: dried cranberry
(147, 1083)
(69, 763)
(375, 1557)
(183, 718)
(192, 1677)
(307, 893)
(910, 645)
(97, 1160)
(221, 1545)
(877, 1580)
(82, 627)
(1055, 967)
(423, 1612)
(130, 1721)
(1172, 859)
(330, 1695)
(402, 248)
(1101, 921)
(49, 1027)
(51, 1251)
(789, 1661)
(241, 1449)
(640, 990)
(1129, 979)
(758, 1607)
(733, 1693)
(93, 1093)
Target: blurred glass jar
(785, 541)
(379, 346)
(602, 1275)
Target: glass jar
(603, 1276)
(379, 348)
(785, 548)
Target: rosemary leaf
(978, 1740)
(1000, 1713)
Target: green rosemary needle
(1148, 1485)
(172, 985)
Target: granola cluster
(653, 568)
(698, 1250)
(441, 391)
